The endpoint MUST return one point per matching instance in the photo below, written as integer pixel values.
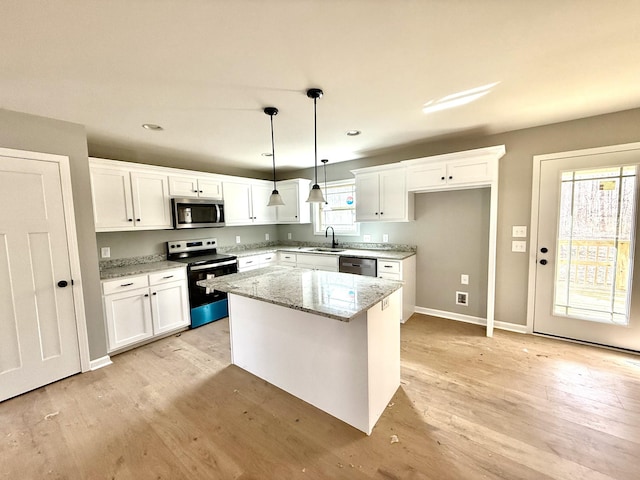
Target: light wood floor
(512, 407)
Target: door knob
(543, 262)
(63, 283)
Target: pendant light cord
(273, 154)
(315, 137)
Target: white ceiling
(204, 70)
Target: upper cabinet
(295, 208)
(128, 199)
(195, 187)
(245, 202)
(382, 196)
(454, 171)
(133, 196)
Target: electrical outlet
(289, 236)
(237, 238)
(464, 279)
(519, 246)
(366, 238)
(519, 231)
(385, 303)
(266, 236)
(462, 298)
(105, 252)
(385, 237)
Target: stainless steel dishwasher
(359, 266)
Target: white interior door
(38, 332)
(584, 252)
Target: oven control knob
(173, 246)
(178, 245)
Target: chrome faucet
(334, 244)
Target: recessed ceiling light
(353, 133)
(267, 154)
(457, 99)
(151, 126)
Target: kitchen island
(330, 339)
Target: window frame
(318, 228)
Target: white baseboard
(100, 362)
(459, 317)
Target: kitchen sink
(332, 250)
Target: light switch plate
(519, 246)
(366, 238)
(289, 236)
(105, 252)
(519, 231)
(464, 279)
(237, 238)
(385, 237)
(266, 236)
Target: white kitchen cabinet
(253, 262)
(246, 203)
(125, 199)
(294, 194)
(287, 259)
(328, 263)
(195, 187)
(382, 195)
(139, 308)
(403, 270)
(454, 171)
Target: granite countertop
(340, 296)
(348, 252)
(138, 269)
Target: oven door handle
(212, 265)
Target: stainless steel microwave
(197, 213)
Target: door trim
(72, 242)
(535, 198)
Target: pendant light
(275, 198)
(315, 195)
(324, 168)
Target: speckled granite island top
(340, 296)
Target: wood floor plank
(469, 407)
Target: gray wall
(27, 132)
(150, 242)
(514, 198)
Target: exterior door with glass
(584, 251)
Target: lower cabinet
(404, 270)
(253, 262)
(317, 262)
(144, 306)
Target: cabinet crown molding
(486, 153)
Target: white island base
(350, 370)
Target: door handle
(63, 283)
(544, 249)
(543, 262)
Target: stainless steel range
(203, 262)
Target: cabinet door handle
(249, 261)
(146, 294)
(168, 276)
(126, 284)
(376, 213)
(441, 178)
(450, 177)
(130, 220)
(137, 219)
(155, 293)
(381, 213)
(388, 266)
(195, 191)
